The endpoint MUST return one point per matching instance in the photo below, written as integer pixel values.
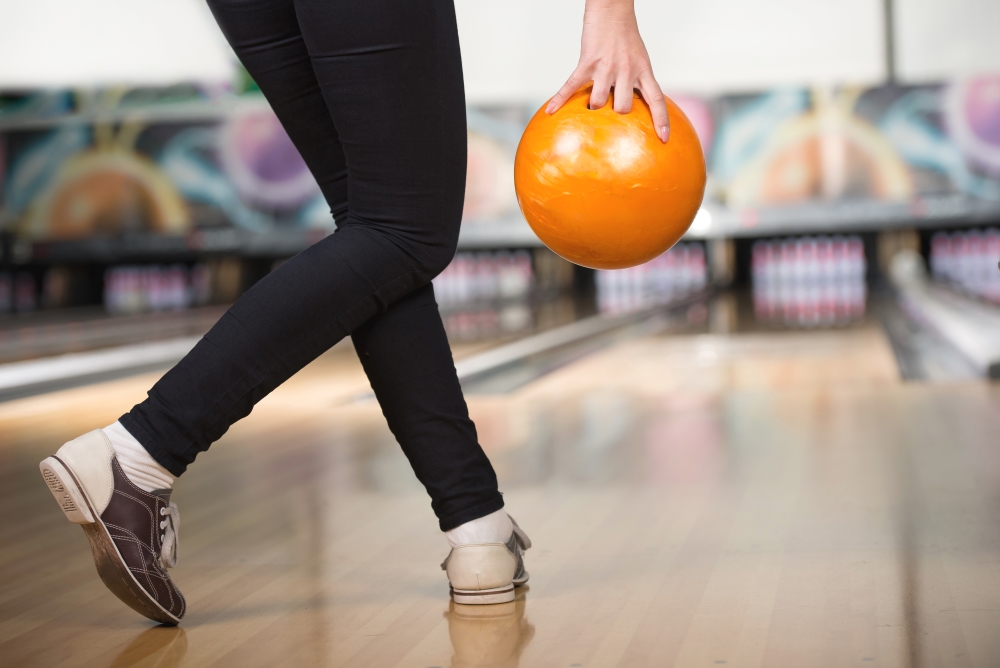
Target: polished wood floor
(754, 500)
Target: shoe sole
(76, 505)
(483, 596)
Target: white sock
(494, 528)
(140, 467)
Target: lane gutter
(47, 374)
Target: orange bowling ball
(600, 189)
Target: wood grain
(756, 500)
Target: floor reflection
(777, 500)
(158, 647)
(490, 636)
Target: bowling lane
(775, 499)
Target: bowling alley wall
(177, 197)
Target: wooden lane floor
(755, 500)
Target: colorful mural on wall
(77, 180)
(66, 178)
(888, 143)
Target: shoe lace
(170, 525)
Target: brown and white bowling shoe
(132, 532)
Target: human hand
(612, 54)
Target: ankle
(493, 528)
(137, 464)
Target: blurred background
(143, 173)
(773, 445)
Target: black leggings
(371, 92)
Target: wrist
(609, 10)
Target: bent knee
(436, 260)
(433, 258)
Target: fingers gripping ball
(600, 189)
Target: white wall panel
(937, 39)
(747, 44)
(523, 50)
(53, 43)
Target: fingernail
(665, 132)
(549, 109)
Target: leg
(372, 96)
(406, 356)
(374, 102)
